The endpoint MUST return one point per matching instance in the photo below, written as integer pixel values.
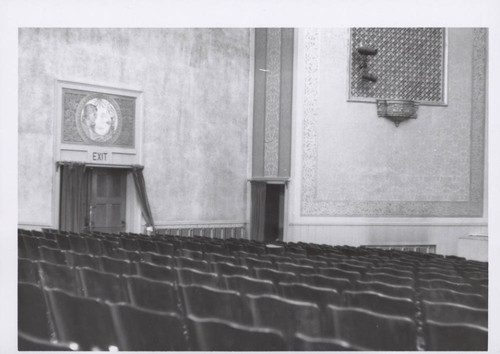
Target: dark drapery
(74, 195)
(140, 186)
(258, 210)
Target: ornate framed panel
(463, 194)
(410, 64)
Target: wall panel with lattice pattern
(409, 64)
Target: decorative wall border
(311, 206)
(272, 106)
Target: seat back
(454, 313)
(102, 285)
(116, 266)
(59, 277)
(454, 297)
(86, 321)
(335, 272)
(158, 259)
(308, 293)
(338, 284)
(32, 311)
(389, 279)
(220, 335)
(301, 342)
(184, 262)
(386, 289)
(372, 331)
(444, 284)
(26, 342)
(82, 260)
(217, 257)
(152, 294)
(140, 329)
(27, 271)
(223, 268)
(156, 272)
(256, 263)
(287, 316)
(295, 268)
(78, 244)
(455, 337)
(248, 285)
(274, 275)
(206, 302)
(52, 255)
(188, 276)
(380, 303)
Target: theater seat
(206, 302)
(32, 311)
(102, 285)
(26, 342)
(85, 321)
(287, 316)
(195, 277)
(218, 335)
(156, 272)
(60, 277)
(249, 285)
(454, 313)
(338, 284)
(455, 337)
(454, 297)
(380, 303)
(152, 294)
(372, 331)
(223, 268)
(274, 275)
(140, 329)
(385, 288)
(27, 271)
(301, 342)
(303, 292)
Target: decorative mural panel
(272, 118)
(408, 65)
(93, 118)
(354, 165)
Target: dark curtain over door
(258, 210)
(74, 196)
(140, 186)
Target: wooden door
(108, 200)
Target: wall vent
(411, 248)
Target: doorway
(268, 211)
(107, 200)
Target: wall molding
(465, 223)
(198, 224)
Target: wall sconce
(366, 52)
(397, 111)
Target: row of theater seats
(243, 295)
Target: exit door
(107, 200)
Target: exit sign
(100, 156)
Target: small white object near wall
(473, 247)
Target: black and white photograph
(206, 183)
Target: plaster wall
(195, 85)
(357, 179)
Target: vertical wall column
(272, 102)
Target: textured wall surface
(359, 180)
(196, 97)
(356, 164)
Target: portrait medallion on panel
(98, 119)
